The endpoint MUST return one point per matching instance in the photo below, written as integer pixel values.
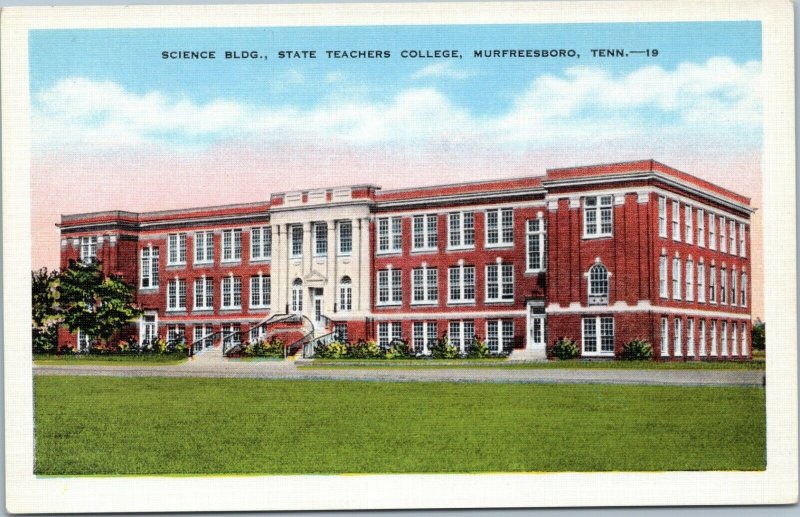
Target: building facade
(601, 254)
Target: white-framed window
(499, 335)
(663, 280)
(85, 341)
(664, 336)
(231, 292)
(701, 282)
(257, 332)
(423, 336)
(176, 295)
(389, 331)
(320, 239)
(461, 284)
(743, 292)
(676, 278)
(701, 228)
(712, 231)
(723, 286)
(203, 294)
(687, 220)
(176, 333)
(598, 335)
(390, 234)
(734, 338)
(261, 243)
(425, 232)
(149, 277)
(461, 230)
(203, 247)
(340, 332)
(390, 287)
(260, 291)
(499, 282)
(677, 337)
(723, 241)
(724, 331)
(662, 216)
(689, 280)
(148, 327)
(231, 245)
(296, 232)
(598, 216)
(732, 237)
(690, 337)
(676, 220)
(702, 340)
(745, 351)
(714, 339)
(297, 296)
(734, 292)
(231, 334)
(536, 254)
(598, 285)
(345, 237)
(424, 285)
(712, 284)
(203, 336)
(176, 249)
(742, 240)
(345, 294)
(499, 227)
(461, 334)
(88, 249)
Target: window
(203, 247)
(499, 282)
(390, 236)
(390, 289)
(597, 216)
(723, 286)
(598, 285)
(663, 281)
(499, 335)
(257, 333)
(598, 335)
(424, 336)
(701, 228)
(425, 232)
(320, 239)
(714, 338)
(297, 296)
(461, 334)
(724, 330)
(148, 326)
(712, 232)
(176, 249)
(345, 237)
(176, 295)
(690, 337)
(231, 335)
(712, 284)
(500, 227)
(677, 345)
(676, 220)
(389, 331)
(176, 333)
(461, 230)
(231, 292)
(297, 240)
(203, 294)
(734, 339)
(85, 341)
(702, 338)
(689, 280)
(676, 278)
(687, 217)
(260, 295)
(536, 241)
(743, 292)
(732, 237)
(203, 337)
(340, 332)
(745, 352)
(88, 250)
(231, 245)
(461, 287)
(425, 285)
(261, 243)
(742, 241)
(345, 294)
(149, 264)
(701, 282)
(664, 336)
(723, 242)
(662, 216)
(734, 292)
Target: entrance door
(147, 328)
(316, 296)
(536, 328)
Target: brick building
(601, 254)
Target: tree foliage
(758, 335)
(46, 315)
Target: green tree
(46, 315)
(758, 335)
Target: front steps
(527, 355)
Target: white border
(778, 484)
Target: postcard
(428, 255)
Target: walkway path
(288, 370)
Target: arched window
(297, 296)
(345, 294)
(598, 285)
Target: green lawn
(502, 363)
(105, 425)
(113, 360)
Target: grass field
(569, 364)
(104, 425)
(122, 360)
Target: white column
(330, 273)
(364, 271)
(276, 282)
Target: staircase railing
(271, 320)
(292, 348)
(310, 347)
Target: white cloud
(442, 69)
(717, 100)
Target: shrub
(398, 350)
(637, 350)
(477, 349)
(565, 348)
(364, 350)
(262, 348)
(443, 349)
(336, 350)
